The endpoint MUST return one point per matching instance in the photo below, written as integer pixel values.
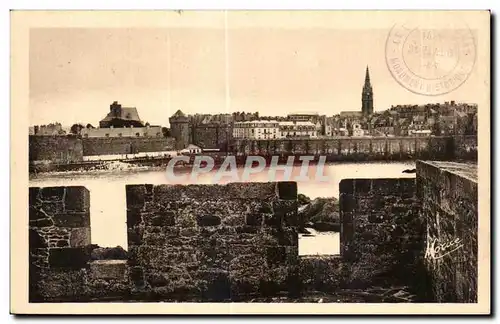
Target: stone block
(136, 275)
(134, 235)
(362, 186)
(34, 197)
(346, 186)
(72, 219)
(287, 211)
(287, 190)
(35, 240)
(218, 285)
(62, 285)
(382, 187)
(208, 220)
(53, 207)
(36, 213)
(161, 218)
(52, 193)
(80, 237)
(77, 199)
(276, 255)
(273, 220)
(109, 269)
(71, 258)
(133, 216)
(46, 222)
(254, 219)
(165, 193)
(135, 195)
(253, 190)
(347, 203)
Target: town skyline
(75, 73)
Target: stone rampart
(212, 242)
(448, 191)
(125, 145)
(58, 149)
(364, 149)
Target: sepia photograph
(250, 162)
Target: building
(289, 129)
(148, 131)
(357, 130)
(119, 116)
(257, 129)
(179, 128)
(351, 115)
(367, 96)
(50, 129)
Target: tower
(179, 127)
(367, 96)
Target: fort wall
(448, 191)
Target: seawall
(364, 149)
(72, 148)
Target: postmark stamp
(431, 59)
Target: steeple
(367, 95)
(367, 77)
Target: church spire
(367, 95)
(367, 76)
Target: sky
(76, 73)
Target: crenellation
(239, 241)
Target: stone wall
(62, 149)
(59, 232)
(211, 136)
(125, 145)
(449, 196)
(60, 265)
(381, 230)
(361, 149)
(212, 242)
(381, 240)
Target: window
(137, 134)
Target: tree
(76, 128)
(147, 124)
(90, 126)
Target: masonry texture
(211, 136)
(362, 149)
(59, 232)
(381, 239)
(59, 250)
(212, 242)
(59, 149)
(126, 145)
(449, 196)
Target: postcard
(250, 162)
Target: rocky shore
(321, 214)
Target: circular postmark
(430, 58)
